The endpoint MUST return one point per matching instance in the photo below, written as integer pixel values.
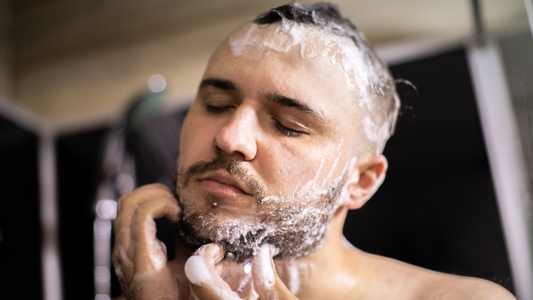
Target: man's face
(265, 151)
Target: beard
(295, 224)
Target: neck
(303, 275)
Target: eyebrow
(222, 84)
(289, 102)
(228, 85)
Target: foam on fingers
(212, 254)
(263, 272)
(204, 284)
(197, 272)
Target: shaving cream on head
(252, 41)
(376, 134)
(364, 80)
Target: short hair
(326, 15)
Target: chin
(295, 224)
(295, 231)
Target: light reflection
(102, 297)
(106, 209)
(124, 183)
(102, 275)
(102, 248)
(157, 83)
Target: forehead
(266, 60)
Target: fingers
(205, 283)
(212, 254)
(266, 281)
(130, 203)
(143, 234)
(139, 258)
(263, 272)
(200, 270)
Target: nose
(239, 134)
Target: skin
(285, 158)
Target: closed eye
(286, 131)
(217, 109)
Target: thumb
(267, 283)
(204, 282)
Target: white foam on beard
(303, 212)
(259, 40)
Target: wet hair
(320, 14)
(326, 15)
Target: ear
(367, 176)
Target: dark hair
(321, 14)
(328, 17)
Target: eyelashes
(288, 132)
(217, 109)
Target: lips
(223, 184)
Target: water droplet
(230, 256)
(215, 204)
(248, 267)
(254, 253)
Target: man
(283, 138)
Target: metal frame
(50, 260)
(506, 161)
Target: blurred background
(93, 93)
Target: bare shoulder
(445, 286)
(413, 282)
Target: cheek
(196, 141)
(290, 167)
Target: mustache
(234, 167)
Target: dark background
(20, 233)
(436, 209)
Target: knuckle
(153, 186)
(121, 202)
(162, 190)
(140, 217)
(160, 186)
(126, 197)
(140, 213)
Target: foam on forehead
(252, 41)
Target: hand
(204, 273)
(139, 258)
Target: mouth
(223, 185)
